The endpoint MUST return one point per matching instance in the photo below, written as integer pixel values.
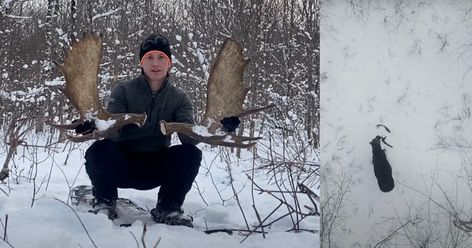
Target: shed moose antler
(225, 97)
(80, 69)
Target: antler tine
(64, 126)
(230, 144)
(253, 111)
(77, 138)
(219, 140)
(91, 136)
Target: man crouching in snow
(141, 157)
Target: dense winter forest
(267, 195)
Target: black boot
(171, 215)
(105, 205)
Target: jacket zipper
(152, 105)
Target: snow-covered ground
(50, 223)
(406, 65)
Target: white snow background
(50, 223)
(406, 65)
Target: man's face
(155, 65)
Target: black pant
(111, 166)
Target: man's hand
(85, 128)
(230, 124)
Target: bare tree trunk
(73, 15)
(310, 13)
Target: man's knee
(101, 149)
(192, 153)
(187, 155)
(102, 156)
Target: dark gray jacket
(169, 104)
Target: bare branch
(80, 220)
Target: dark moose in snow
(382, 168)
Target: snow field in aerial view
(405, 65)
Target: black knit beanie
(155, 42)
